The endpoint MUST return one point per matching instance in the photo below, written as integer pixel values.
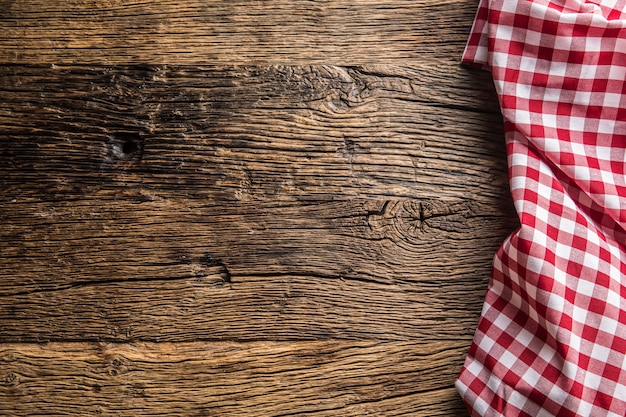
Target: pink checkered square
(551, 340)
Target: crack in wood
(106, 282)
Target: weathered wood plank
(328, 88)
(306, 133)
(258, 308)
(226, 31)
(187, 270)
(252, 379)
(117, 236)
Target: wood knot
(11, 380)
(117, 367)
(124, 149)
(410, 220)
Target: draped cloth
(551, 340)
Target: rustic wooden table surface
(243, 208)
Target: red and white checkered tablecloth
(551, 340)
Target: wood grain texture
(254, 379)
(111, 239)
(233, 32)
(243, 208)
(139, 207)
(315, 132)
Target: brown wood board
(323, 378)
(303, 32)
(243, 208)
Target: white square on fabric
(502, 321)
(504, 33)
(574, 343)
(582, 173)
(487, 343)
(551, 95)
(585, 408)
(606, 126)
(611, 99)
(593, 44)
(541, 238)
(582, 97)
(558, 395)
(558, 69)
(508, 360)
(540, 213)
(590, 261)
(560, 276)
(534, 264)
(612, 201)
(604, 153)
(520, 402)
(523, 118)
(607, 178)
(550, 120)
(563, 43)
(585, 287)
(620, 391)
(578, 148)
(577, 123)
(567, 225)
(531, 377)
(499, 59)
(556, 302)
(615, 300)
(579, 314)
(617, 72)
(601, 354)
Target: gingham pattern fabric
(551, 340)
